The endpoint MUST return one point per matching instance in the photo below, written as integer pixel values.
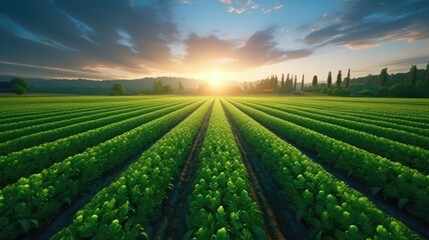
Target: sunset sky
(242, 40)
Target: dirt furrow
(279, 219)
(172, 222)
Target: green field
(267, 167)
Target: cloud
(129, 36)
(111, 39)
(259, 49)
(403, 64)
(276, 7)
(365, 24)
(242, 6)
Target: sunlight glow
(217, 80)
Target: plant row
(385, 122)
(41, 118)
(38, 198)
(35, 159)
(221, 206)
(391, 121)
(327, 205)
(411, 156)
(389, 133)
(120, 210)
(392, 179)
(67, 121)
(70, 130)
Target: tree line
(414, 83)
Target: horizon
(215, 41)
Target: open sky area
(241, 40)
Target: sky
(214, 40)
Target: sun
(216, 80)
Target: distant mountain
(101, 87)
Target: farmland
(265, 167)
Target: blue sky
(241, 40)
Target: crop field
(186, 167)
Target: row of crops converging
(214, 168)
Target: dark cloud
(403, 64)
(369, 23)
(258, 50)
(89, 33)
(105, 39)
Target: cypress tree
(329, 79)
(348, 79)
(338, 82)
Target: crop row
(37, 198)
(35, 159)
(67, 121)
(391, 121)
(220, 206)
(35, 119)
(392, 179)
(411, 156)
(120, 210)
(389, 133)
(70, 130)
(327, 205)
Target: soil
(67, 212)
(388, 206)
(279, 219)
(172, 222)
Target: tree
(314, 83)
(118, 90)
(157, 86)
(18, 89)
(412, 75)
(348, 79)
(382, 80)
(329, 79)
(338, 82)
(294, 84)
(167, 89)
(302, 83)
(282, 82)
(19, 85)
(181, 87)
(427, 74)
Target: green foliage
(412, 75)
(181, 87)
(134, 198)
(42, 195)
(339, 79)
(329, 81)
(221, 198)
(347, 80)
(314, 82)
(18, 89)
(19, 86)
(331, 208)
(383, 77)
(160, 88)
(53, 151)
(118, 90)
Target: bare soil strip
(172, 222)
(65, 217)
(388, 206)
(279, 219)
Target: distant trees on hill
(160, 88)
(117, 90)
(16, 85)
(414, 83)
